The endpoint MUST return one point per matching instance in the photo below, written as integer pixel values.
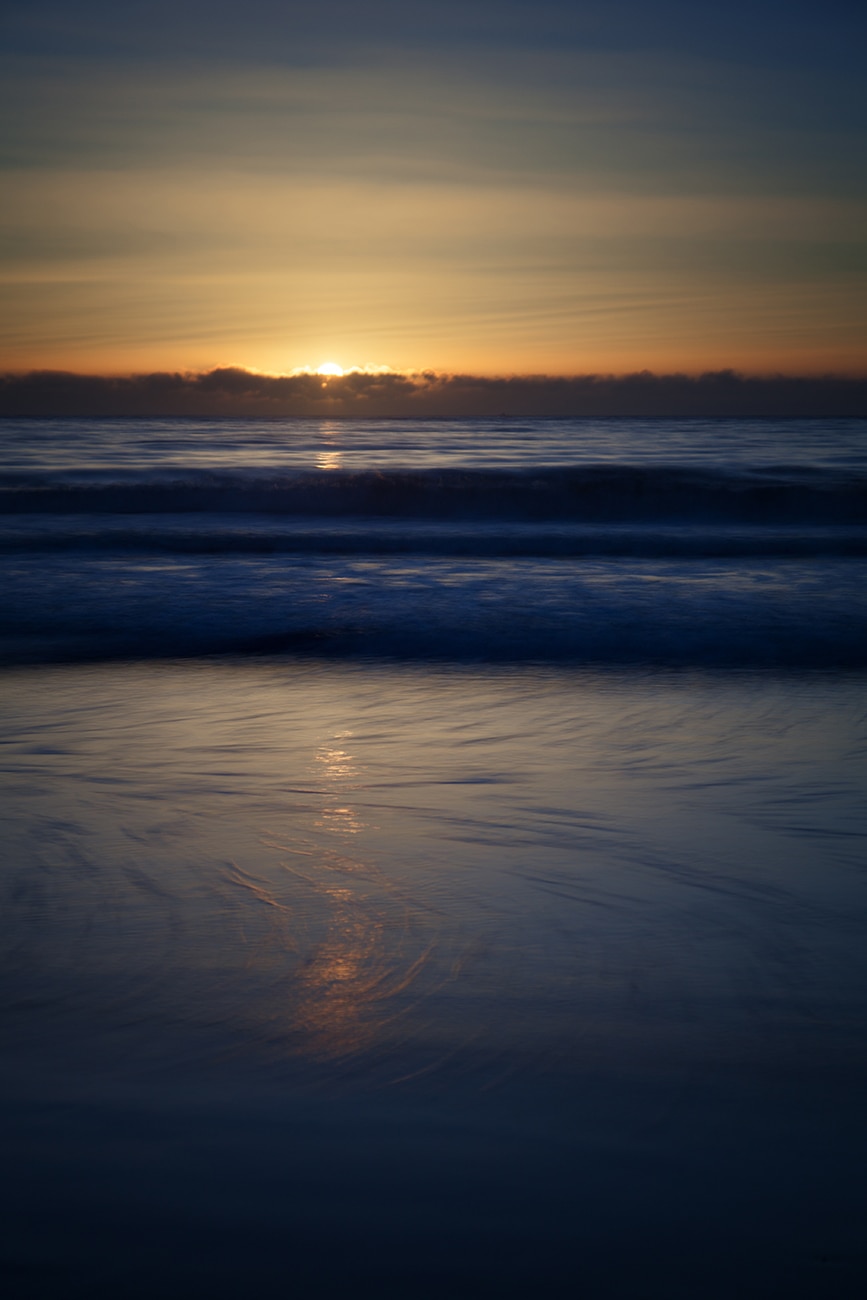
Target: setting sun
(330, 368)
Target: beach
(435, 919)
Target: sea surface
(433, 859)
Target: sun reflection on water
(337, 767)
(328, 460)
(367, 950)
(330, 455)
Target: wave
(222, 535)
(785, 613)
(587, 494)
(608, 563)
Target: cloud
(234, 392)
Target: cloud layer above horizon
(235, 392)
(480, 186)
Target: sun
(330, 368)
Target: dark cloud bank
(240, 393)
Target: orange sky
(498, 208)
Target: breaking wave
(588, 494)
(615, 563)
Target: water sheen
(509, 967)
(422, 906)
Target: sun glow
(330, 368)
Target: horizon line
(432, 373)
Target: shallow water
(434, 859)
(407, 979)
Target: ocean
(434, 858)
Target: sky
(473, 187)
